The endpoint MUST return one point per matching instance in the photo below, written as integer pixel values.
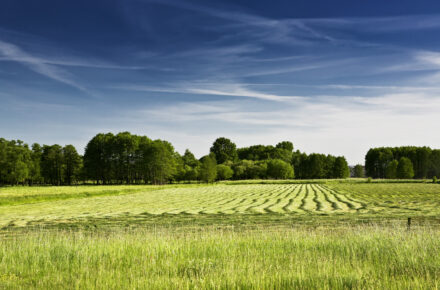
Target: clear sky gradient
(333, 77)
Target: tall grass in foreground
(364, 257)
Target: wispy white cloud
(217, 89)
(388, 88)
(429, 58)
(319, 112)
(294, 31)
(425, 63)
(16, 54)
(12, 52)
(387, 24)
(240, 90)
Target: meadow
(326, 235)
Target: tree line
(402, 162)
(126, 158)
(45, 164)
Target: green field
(229, 235)
(21, 206)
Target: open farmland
(20, 206)
(280, 235)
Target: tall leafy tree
(340, 168)
(17, 162)
(224, 172)
(208, 168)
(124, 149)
(358, 171)
(189, 159)
(315, 166)
(52, 161)
(286, 145)
(278, 169)
(391, 170)
(224, 150)
(72, 164)
(248, 169)
(191, 173)
(141, 159)
(35, 164)
(98, 158)
(434, 166)
(3, 161)
(405, 168)
(422, 158)
(191, 166)
(159, 159)
(299, 160)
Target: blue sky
(333, 77)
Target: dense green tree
(376, 161)
(434, 165)
(255, 152)
(123, 157)
(191, 173)
(160, 162)
(340, 168)
(224, 172)
(98, 158)
(315, 166)
(180, 169)
(372, 163)
(286, 145)
(241, 169)
(52, 161)
(278, 169)
(298, 162)
(283, 151)
(330, 170)
(3, 163)
(141, 159)
(18, 160)
(391, 170)
(191, 166)
(224, 150)
(189, 159)
(208, 168)
(405, 168)
(72, 164)
(21, 165)
(248, 169)
(423, 160)
(358, 171)
(35, 176)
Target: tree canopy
(405, 168)
(379, 162)
(224, 150)
(125, 158)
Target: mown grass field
(332, 235)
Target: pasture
(336, 235)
